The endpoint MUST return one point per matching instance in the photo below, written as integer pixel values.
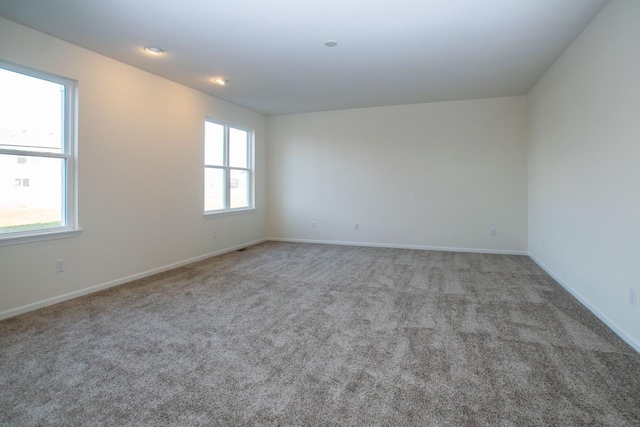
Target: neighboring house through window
(37, 155)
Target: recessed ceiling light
(331, 43)
(153, 50)
(220, 81)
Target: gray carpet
(299, 334)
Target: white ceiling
(272, 51)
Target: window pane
(213, 144)
(238, 141)
(32, 193)
(213, 189)
(31, 113)
(239, 193)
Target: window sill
(39, 236)
(211, 214)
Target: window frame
(68, 155)
(250, 169)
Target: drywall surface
(584, 167)
(140, 175)
(426, 175)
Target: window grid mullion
(26, 153)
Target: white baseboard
(75, 294)
(610, 323)
(397, 246)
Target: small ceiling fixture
(153, 50)
(220, 81)
(331, 43)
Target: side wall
(584, 167)
(140, 177)
(433, 175)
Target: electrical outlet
(59, 266)
(215, 234)
(492, 232)
(356, 227)
(632, 296)
(313, 224)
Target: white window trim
(250, 170)
(71, 227)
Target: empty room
(410, 212)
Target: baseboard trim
(610, 323)
(75, 294)
(399, 246)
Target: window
(37, 155)
(228, 168)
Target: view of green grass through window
(32, 161)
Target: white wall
(140, 176)
(436, 175)
(584, 167)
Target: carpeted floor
(299, 334)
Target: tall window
(37, 159)
(228, 170)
